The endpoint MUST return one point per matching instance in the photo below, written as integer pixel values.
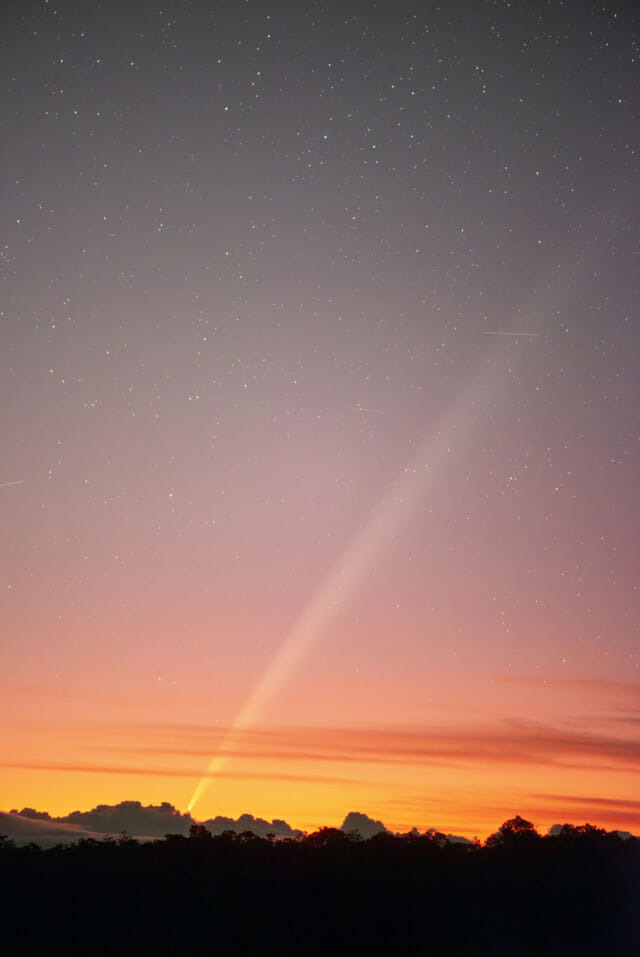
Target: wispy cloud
(510, 742)
(626, 689)
(611, 804)
(168, 772)
(608, 811)
(46, 833)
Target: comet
(431, 464)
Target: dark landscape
(574, 892)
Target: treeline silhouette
(326, 893)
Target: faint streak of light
(6, 484)
(361, 408)
(367, 543)
(356, 560)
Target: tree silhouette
(573, 892)
(515, 830)
(198, 832)
(326, 837)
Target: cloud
(504, 743)
(452, 838)
(33, 814)
(366, 826)
(174, 772)
(247, 822)
(556, 829)
(612, 804)
(132, 817)
(594, 809)
(590, 685)
(41, 830)
(628, 716)
(143, 822)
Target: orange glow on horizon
(463, 778)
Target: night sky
(320, 409)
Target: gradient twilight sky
(273, 457)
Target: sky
(319, 445)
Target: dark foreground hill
(577, 892)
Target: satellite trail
(6, 484)
(484, 333)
